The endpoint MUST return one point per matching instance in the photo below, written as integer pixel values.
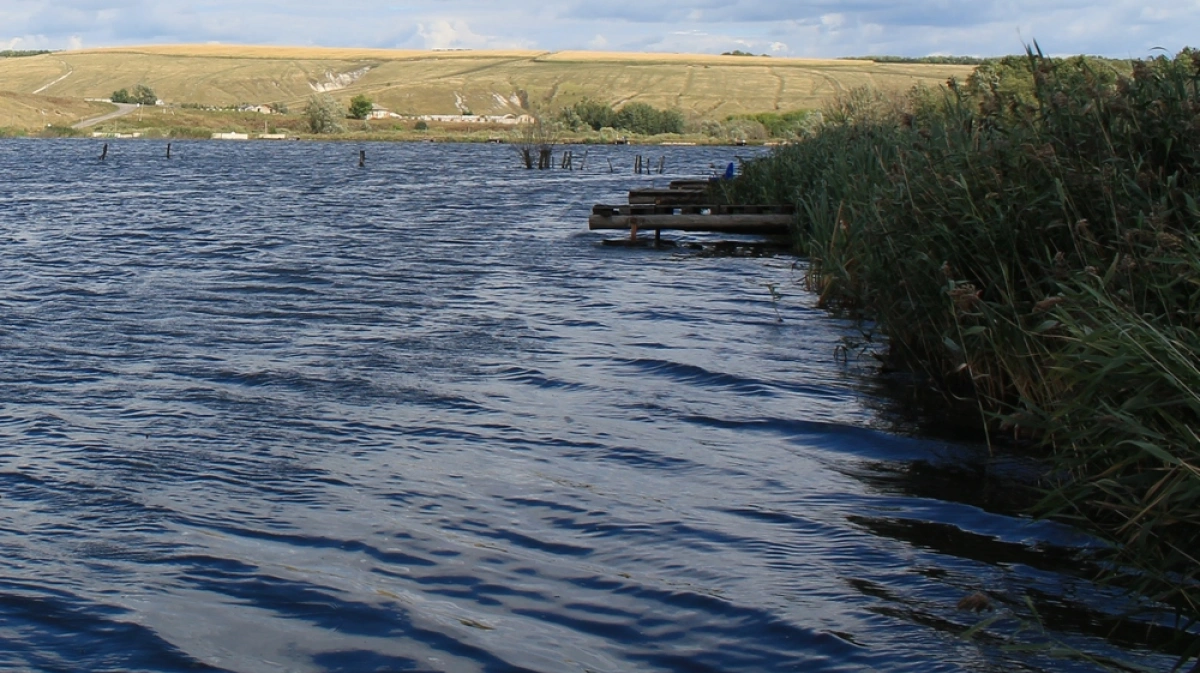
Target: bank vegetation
(1029, 241)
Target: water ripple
(262, 410)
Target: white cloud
(457, 34)
(803, 27)
(832, 21)
(440, 35)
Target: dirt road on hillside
(122, 110)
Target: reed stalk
(1029, 240)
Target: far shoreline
(387, 138)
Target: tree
(647, 120)
(322, 114)
(593, 113)
(635, 117)
(360, 107)
(144, 95)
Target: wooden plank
(691, 209)
(692, 184)
(763, 224)
(667, 196)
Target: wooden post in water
(362, 158)
(104, 152)
(637, 164)
(168, 150)
(662, 164)
(583, 161)
(610, 167)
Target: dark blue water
(264, 410)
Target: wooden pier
(687, 206)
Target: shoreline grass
(1029, 242)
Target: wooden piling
(662, 164)
(168, 150)
(362, 158)
(104, 152)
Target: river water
(264, 410)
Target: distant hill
(448, 82)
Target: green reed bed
(1029, 241)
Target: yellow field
(446, 82)
(691, 59)
(303, 53)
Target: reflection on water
(266, 410)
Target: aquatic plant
(1028, 242)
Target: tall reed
(1030, 241)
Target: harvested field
(450, 82)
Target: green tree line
(635, 117)
(17, 53)
(938, 60)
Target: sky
(787, 28)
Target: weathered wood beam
(762, 224)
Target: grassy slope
(28, 112)
(486, 82)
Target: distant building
(380, 112)
(502, 120)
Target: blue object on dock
(729, 171)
